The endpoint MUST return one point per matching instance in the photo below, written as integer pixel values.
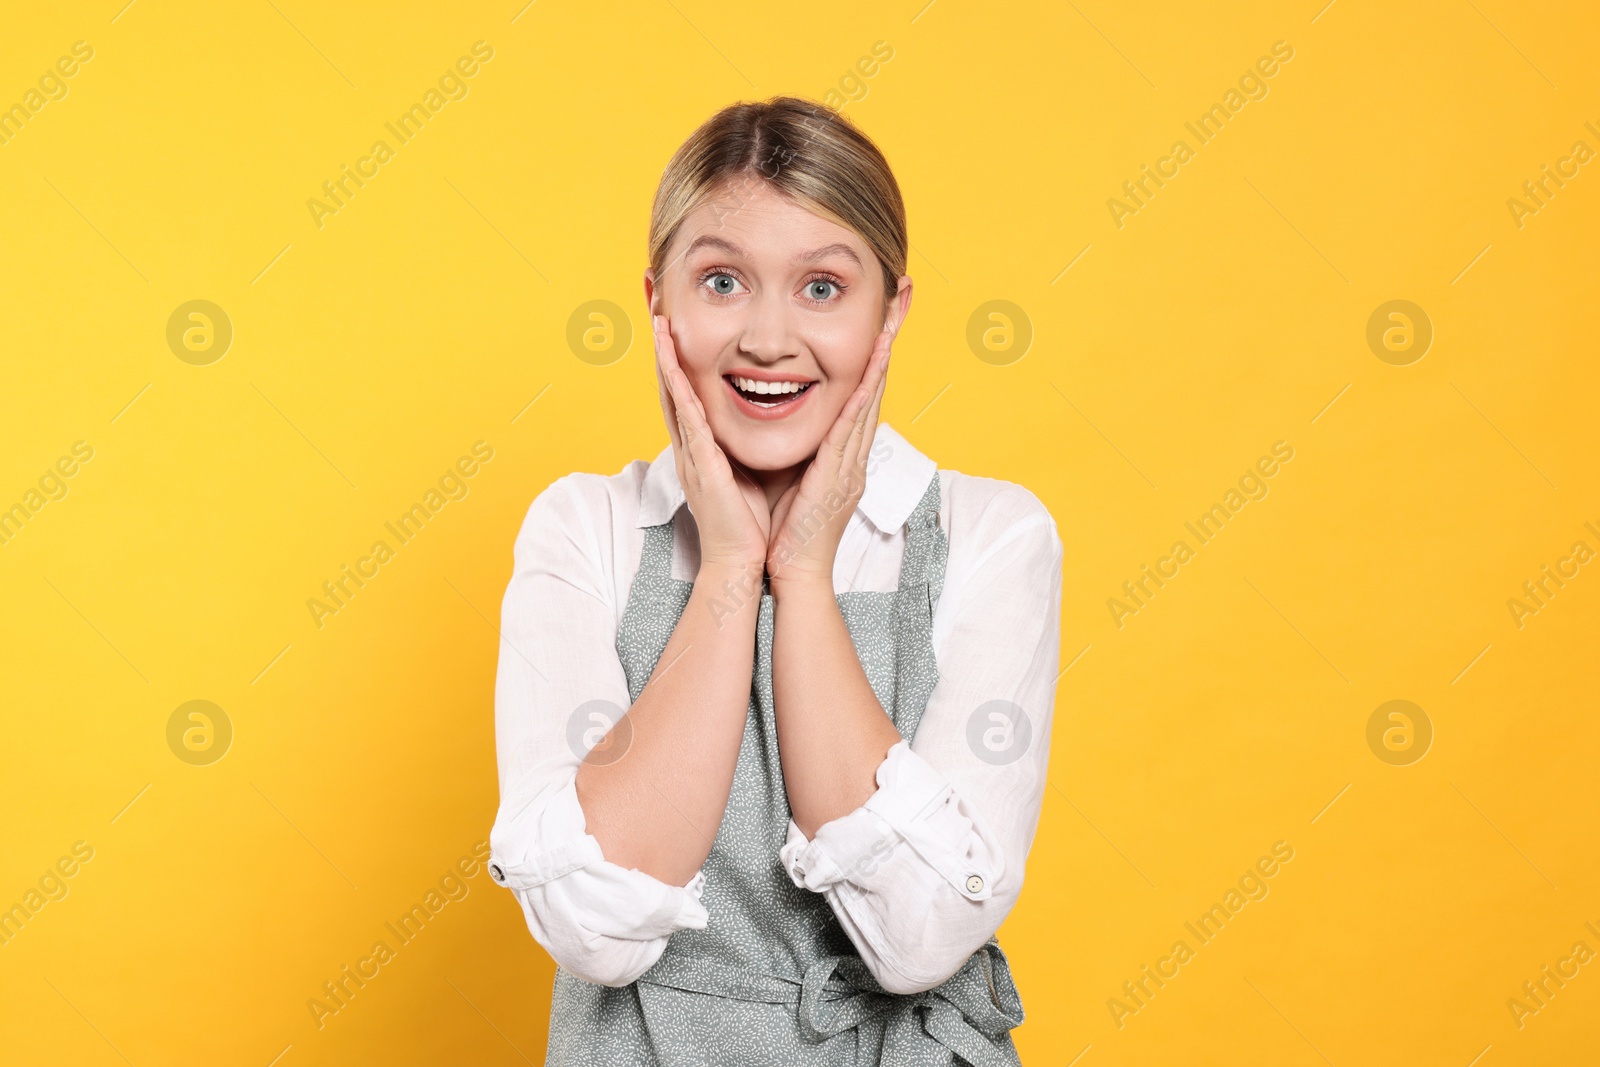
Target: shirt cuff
(546, 841)
(915, 807)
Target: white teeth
(751, 385)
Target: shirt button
(974, 884)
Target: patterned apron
(773, 978)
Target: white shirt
(919, 876)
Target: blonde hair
(803, 150)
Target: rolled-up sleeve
(558, 687)
(926, 870)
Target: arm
(602, 848)
(926, 870)
(658, 806)
(832, 732)
(600, 920)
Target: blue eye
(721, 284)
(820, 289)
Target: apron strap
(921, 582)
(656, 559)
(927, 549)
(970, 1013)
(966, 1012)
(643, 633)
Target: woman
(838, 662)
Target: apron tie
(966, 1014)
(862, 997)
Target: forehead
(751, 214)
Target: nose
(771, 331)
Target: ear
(898, 306)
(652, 295)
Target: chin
(770, 448)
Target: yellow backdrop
(1307, 291)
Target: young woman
(838, 663)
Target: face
(774, 312)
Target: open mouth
(767, 395)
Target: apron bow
(968, 1013)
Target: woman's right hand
(729, 509)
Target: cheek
(843, 342)
(843, 360)
(697, 348)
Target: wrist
(810, 564)
(731, 567)
(729, 591)
(745, 576)
(801, 585)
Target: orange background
(1167, 354)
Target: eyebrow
(713, 241)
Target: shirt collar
(897, 476)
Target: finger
(830, 458)
(682, 457)
(669, 348)
(866, 425)
(850, 455)
(676, 382)
(780, 510)
(690, 413)
(850, 415)
(687, 434)
(863, 403)
(755, 498)
(877, 395)
(780, 519)
(744, 476)
(668, 408)
(705, 454)
(687, 399)
(672, 399)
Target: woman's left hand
(808, 520)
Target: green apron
(773, 978)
